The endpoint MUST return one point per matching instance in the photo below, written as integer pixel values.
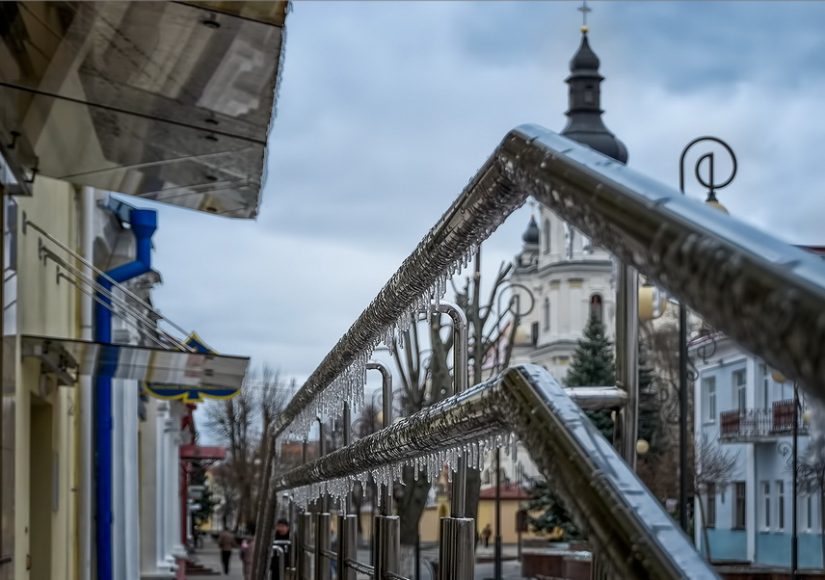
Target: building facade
(743, 423)
(564, 276)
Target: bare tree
(239, 423)
(811, 466)
(426, 375)
(712, 466)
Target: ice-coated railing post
(323, 568)
(347, 546)
(387, 541)
(279, 556)
(304, 540)
(627, 359)
(322, 450)
(456, 559)
(458, 505)
(293, 542)
(386, 411)
(347, 420)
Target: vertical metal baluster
(347, 524)
(456, 557)
(627, 354)
(323, 570)
(322, 531)
(387, 545)
(347, 546)
(303, 540)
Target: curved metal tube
(461, 360)
(386, 410)
(626, 524)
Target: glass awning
(194, 374)
(169, 101)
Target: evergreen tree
(553, 515)
(648, 403)
(593, 366)
(207, 502)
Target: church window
(596, 307)
(546, 236)
(589, 95)
(546, 314)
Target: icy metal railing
(630, 533)
(761, 292)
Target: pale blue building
(743, 411)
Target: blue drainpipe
(143, 223)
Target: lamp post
(712, 186)
(795, 484)
(516, 308)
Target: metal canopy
(203, 373)
(168, 101)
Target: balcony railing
(760, 424)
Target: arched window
(546, 314)
(596, 307)
(546, 236)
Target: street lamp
(518, 312)
(712, 186)
(780, 378)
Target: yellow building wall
(44, 493)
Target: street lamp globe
(642, 447)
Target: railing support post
(387, 540)
(386, 410)
(627, 359)
(458, 505)
(303, 540)
(347, 546)
(456, 559)
(323, 570)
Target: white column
(178, 548)
(131, 495)
(118, 484)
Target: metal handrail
(727, 271)
(629, 529)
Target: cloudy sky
(387, 109)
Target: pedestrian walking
(247, 550)
(226, 541)
(485, 535)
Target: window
(709, 388)
(711, 507)
(780, 505)
(766, 386)
(546, 314)
(738, 378)
(766, 500)
(596, 308)
(739, 505)
(809, 511)
(534, 333)
(546, 236)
